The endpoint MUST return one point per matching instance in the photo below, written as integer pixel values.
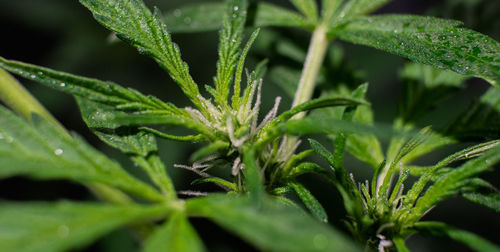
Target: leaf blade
(30, 227)
(432, 41)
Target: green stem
(314, 60)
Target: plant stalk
(310, 71)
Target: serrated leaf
(310, 201)
(31, 227)
(230, 38)
(176, 234)
(104, 92)
(474, 242)
(41, 151)
(270, 226)
(451, 182)
(490, 200)
(433, 41)
(134, 23)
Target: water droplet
(187, 20)
(177, 13)
(235, 8)
(62, 84)
(32, 76)
(40, 73)
(320, 241)
(442, 37)
(63, 231)
(58, 152)
(396, 30)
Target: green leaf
(400, 244)
(286, 78)
(311, 125)
(271, 15)
(320, 103)
(490, 200)
(310, 201)
(271, 226)
(423, 88)
(433, 41)
(308, 8)
(103, 92)
(473, 241)
(451, 182)
(31, 227)
(252, 175)
(354, 8)
(230, 38)
(208, 16)
(132, 22)
(198, 17)
(41, 151)
(176, 234)
(481, 121)
(216, 180)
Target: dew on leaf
(187, 20)
(62, 84)
(177, 13)
(63, 231)
(58, 152)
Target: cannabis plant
(257, 159)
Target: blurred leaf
(41, 151)
(272, 225)
(481, 121)
(436, 42)
(196, 18)
(423, 87)
(176, 234)
(135, 24)
(354, 8)
(208, 16)
(63, 226)
(271, 15)
(473, 241)
(400, 245)
(308, 8)
(252, 176)
(310, 201)
(286, 78)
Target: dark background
(62, 35)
